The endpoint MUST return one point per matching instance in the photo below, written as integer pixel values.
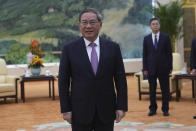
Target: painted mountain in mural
(54, 22)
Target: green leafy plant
(49, 57)
(16, 54)
(170, 16)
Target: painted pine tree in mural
(138, 13)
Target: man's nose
(88, 25)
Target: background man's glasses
(92, 23)
(155, 24)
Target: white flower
(29, 57)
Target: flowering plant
(36, 62)
(35, 49)
(33, 58)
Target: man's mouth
(88, 31)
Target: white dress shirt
(153, 37)
(89, 49)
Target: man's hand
(68, 117)
(119, 115)
(145, 73)
(193, 72)
(170, 71)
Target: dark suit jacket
(160, 60)
(193, 55)
(82, 92)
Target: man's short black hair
(93, 10)
(155, 18)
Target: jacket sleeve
(120, 82)
(64, 82)
(193, 55)
(169, 53)
(145, 55)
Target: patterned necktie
(155, 42)
(94, 58)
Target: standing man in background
(193, 60)
(92, 80)
(157, 63)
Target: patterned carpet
(122, 126)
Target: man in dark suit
(193, 57)
(92, 80)
(193, 60)
(157, 63)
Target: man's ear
(100, 24)
(79, 25)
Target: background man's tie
(94, 58)
(155, 42)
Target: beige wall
(191, 34)
(164, 1)
(131, 66)
(191, 3)
(20, 70)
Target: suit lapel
(159, 42)
(85, 58)
(84, 55)
(101, 58)
(151, 41)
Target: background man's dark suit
(193, 55)
(193, 60)
(158, 63)
(92, 93)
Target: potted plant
(34, 58)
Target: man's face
(155, 26)
(89, 26)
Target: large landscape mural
(54, 22)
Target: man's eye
(92, 23)
(84, 22)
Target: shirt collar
(156, 34)
(87, 42)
